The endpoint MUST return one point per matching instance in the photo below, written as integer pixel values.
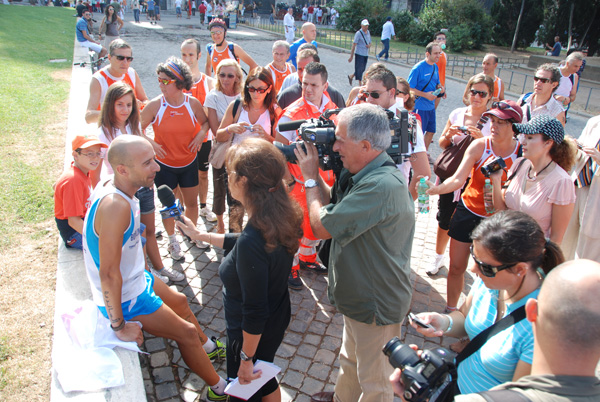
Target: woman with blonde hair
(257, 261)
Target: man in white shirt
(386, 34)
(289, 25)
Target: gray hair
(367, 122)
(282, 43)
(575, 56)
(117, 44)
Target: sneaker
(208, 214)
(172, 274)
(213, 396)
(294, 281)
(316, 267)
(201, 244)
(435, 268)
(175, 251)
(157, 274)
(377, 57)
(217, 354)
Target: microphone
(291, 125)
(172, 207)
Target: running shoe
(213, 396)
(218, 353)
(175, 251)
(294, 281)
(436, 266)
(170, 273)
(201, 244)
(316, 267)
(208, 214)
(157, 274)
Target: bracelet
(450, 322)
(119, 327)
(227, 130)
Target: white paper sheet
(269, 370)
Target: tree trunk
(514, 43)
(588, 28)
(570, 42)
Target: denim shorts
(146, 197)
(146, 303)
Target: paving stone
(293, 338)
(287, 394)
(300, 364)
(282, 363)
(166, 390)
(333, 377)
(163, 374)
(318, 328)
(311, 386)
(313, 339)
(324, 356)
(306, 350)
(319, 371)
(189, 395)
(286, 350)
(154, 345)
(332, 343)
(293, 379)
(298, 326)
(149, 386)
(159, 359)
(194, 383)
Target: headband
(173, 68)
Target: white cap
(364, 22)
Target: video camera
(425, 378)
(321, 133)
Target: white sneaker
(435, 268)
(157, 274)
(208, 214)
(175, 251)
(171, 274)
(201, 244)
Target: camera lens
(400, 355)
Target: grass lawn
(33, 96)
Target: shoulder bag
(218, 150)
(449, 160)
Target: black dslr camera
(321, 132)
(493, 166)
(425, 378)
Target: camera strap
(477, 342)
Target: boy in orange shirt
(72, 189)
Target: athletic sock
(209, 346)
(173, 238)
(219, 387)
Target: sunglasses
(372, 94)
(165, 81)
(223, 75)
(257, 90)
(503, 106)
(543, 80)
(398, 92)
(487, 269)
(482, 94)
(121, 58)
(213, 33)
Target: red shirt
(72, 193)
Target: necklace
(534, 178)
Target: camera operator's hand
(438, 321)
(308, 161)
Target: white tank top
(564, 87)
(264, 120)
(132, 255)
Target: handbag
(219, 149)
(449, 160)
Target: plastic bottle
(488, 197)
(423, 197)
(437, 92)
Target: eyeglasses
(223, 75)
(213, 33)
(482, 94)
(543, 80)
(91, 154)
(257, 90)
(121, 58)
(165, 81)
(372, 94)
(487, 269)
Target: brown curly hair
(272, 212)
(563, 154)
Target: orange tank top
(442, 68)
(217, 56)
(105, 79)
(279, 76)
(298, 193)
(199, 91)
(497, 86)
(174, 128)
(472, 197)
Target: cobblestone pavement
(308, 354)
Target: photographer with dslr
(511, 255)
(499, 146)
(369, 217)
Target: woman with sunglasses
(255, 117)
(541, 100)
(111, 25)
(179, 126)
(540, 185)
(227, 89)
(221, 50)
(462, 122)
(470, 209)
(511, 255)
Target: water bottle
(488, 197)
(423, 197)
(437, 92)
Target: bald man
(566, 328)
(309, 34)
(121, 288)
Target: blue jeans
(136, 15)
(360, 63)
(386, 48)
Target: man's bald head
(568, 308)
(309, 31)
(124, 149)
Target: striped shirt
(495, 362)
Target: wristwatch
(245, 357)
(310, 183)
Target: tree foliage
(505, 14)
